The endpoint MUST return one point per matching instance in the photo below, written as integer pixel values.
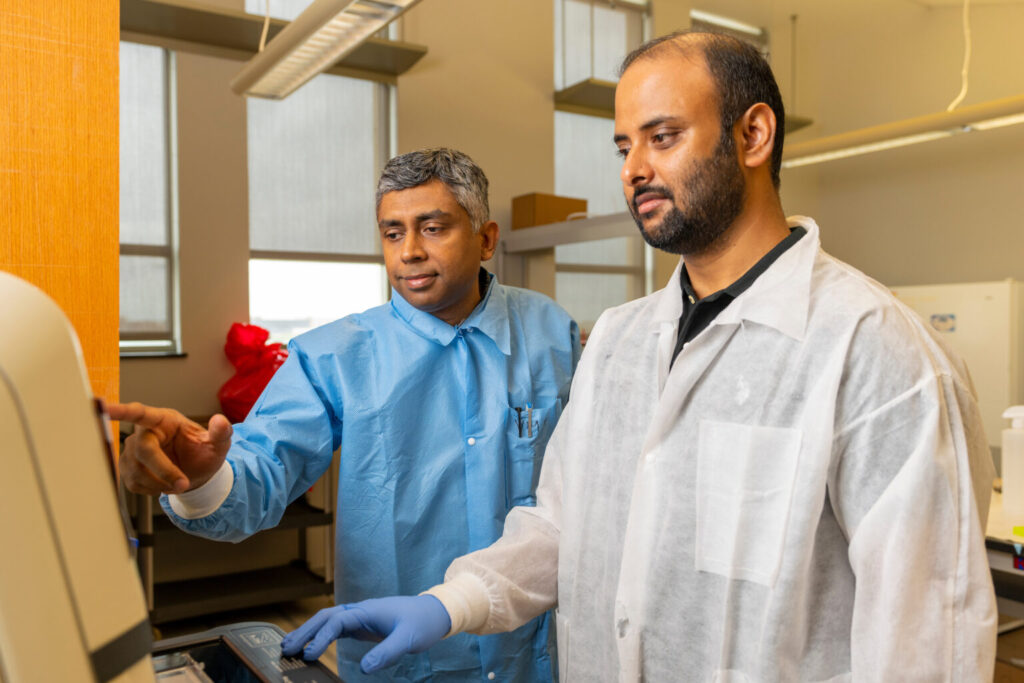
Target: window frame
(640, 266)
(169, 343)
(385, 126)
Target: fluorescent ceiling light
(325, 32)
(725, 22)
(998, 122)
(994, 114)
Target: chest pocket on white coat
(527, 432)
(745, 480)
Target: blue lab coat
(433, 456)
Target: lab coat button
(490, 676)
(471, 441)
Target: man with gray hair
(441, 402)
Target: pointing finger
(162, 420)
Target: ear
(488, 234)
(756, 136)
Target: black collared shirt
(698, 313)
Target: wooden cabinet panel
(59, 165)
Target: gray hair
(464, 178)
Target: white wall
(485, 87)
(944, 211)
(214, 242)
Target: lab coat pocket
(745, 479)
(527, 434)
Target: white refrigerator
(983, 322)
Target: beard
(714, 190)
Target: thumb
(219, 433)
(386, 653)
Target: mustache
(641, 190)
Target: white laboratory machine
(71, 602)
(983, 322)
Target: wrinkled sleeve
(501, 587)
(276, 454)
(910, 485)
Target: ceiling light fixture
(985, 116)
(725, 22)
(325, 32)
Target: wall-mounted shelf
(596, 97)
(593, 97)
(183, 599)
(190, 26)
(569, 232)
(299, 515)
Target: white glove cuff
(204, 500)
(465, 598)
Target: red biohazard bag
(255, 363)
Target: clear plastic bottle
(1013, 467)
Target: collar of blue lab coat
(780, 297)
(489, 317)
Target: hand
(406, 624)
(169, 453)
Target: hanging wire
(967, 59)
(592, 47)
(266, 25)
(565, 49)
(792, 62)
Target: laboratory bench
(1006, 561)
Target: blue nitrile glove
(406, 624)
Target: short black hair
(741, 75)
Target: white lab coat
(801, 498)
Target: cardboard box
(538, 208)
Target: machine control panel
(248, 652)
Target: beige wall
(485, 87)
(944, 211)
(938, 212)
(214, 242)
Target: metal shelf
(596, 97)
(298, 515)
(182, 599)
(216, 591)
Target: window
(148, 291)
(591, 39)
(313, 163)
(593, 276)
